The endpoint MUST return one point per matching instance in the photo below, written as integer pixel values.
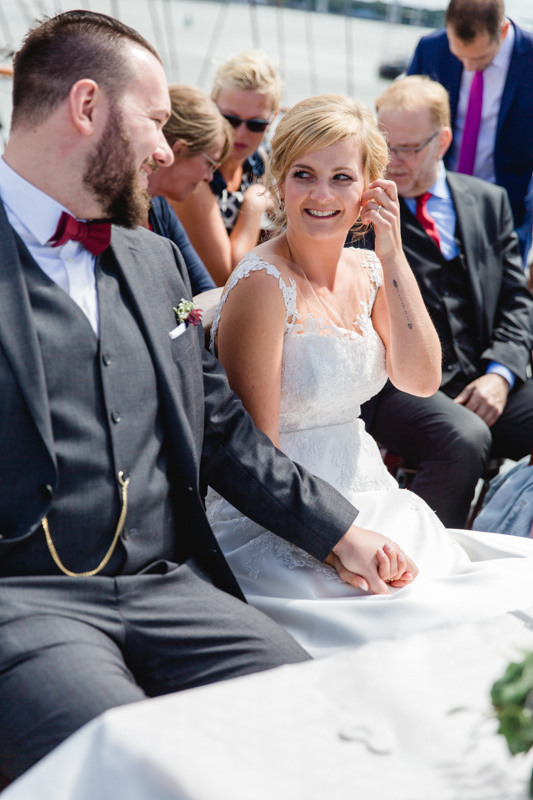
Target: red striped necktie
(427, 222)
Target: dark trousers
(448, 443)
(70, 648)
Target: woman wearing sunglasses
(199, 137)
(223, 220)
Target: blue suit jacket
(513, 156)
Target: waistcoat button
(106, 358)
(115, 416)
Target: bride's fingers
(384, 571)
(372, 583)
(412, 569)
(392, 555)
(377, 586)
(392, 563)
(357, 581)
(400, 584)
(402, 565)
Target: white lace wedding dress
(327, 372)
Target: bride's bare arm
(250, 344)
(400, 315)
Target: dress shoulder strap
(375, 270)
(253, 263)
(371, 262)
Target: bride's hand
(380, 206)
(394, 566)
(365, 557)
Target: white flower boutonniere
(188, 312)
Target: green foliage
(512, 698)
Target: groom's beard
(112, 177)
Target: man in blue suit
(479, 39)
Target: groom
(112, 586)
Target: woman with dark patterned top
(224, 221)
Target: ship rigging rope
(171, 41)
(211, 48)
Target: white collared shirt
(35, 217)
(494, 77)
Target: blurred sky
(316, 52)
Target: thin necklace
(322, 302)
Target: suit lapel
(18, 336)
(148, 302)
(419, 241)
(454, 85)
(468, 232)
(518, 67)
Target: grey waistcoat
(106, 417)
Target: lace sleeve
(375, 272)
(252, 263)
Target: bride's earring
(281, 205)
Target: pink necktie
(467, 155)
(427, 222)
(95, 236)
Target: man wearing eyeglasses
(458, 236)
(485, 62)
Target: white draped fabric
(409, 720)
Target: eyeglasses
(212, 164)
(408, 153)
(253, 125)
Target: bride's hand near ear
(380, 206)
(399, 314)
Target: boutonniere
(187, 311)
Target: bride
(308, 331)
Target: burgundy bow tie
(95, 236)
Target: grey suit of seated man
(474, 288)
(113, 416)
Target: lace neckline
(251, 262)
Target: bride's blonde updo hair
(315, 123)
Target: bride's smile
(325, 187)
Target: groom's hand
(368, 560)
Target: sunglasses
(253, 125)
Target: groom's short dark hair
(62, 50)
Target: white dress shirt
(440, 206)
(494, 77)
(35, 217)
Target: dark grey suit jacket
(502, 303)
(210, 436)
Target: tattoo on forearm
(409, 323)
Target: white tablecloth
(408, 720)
